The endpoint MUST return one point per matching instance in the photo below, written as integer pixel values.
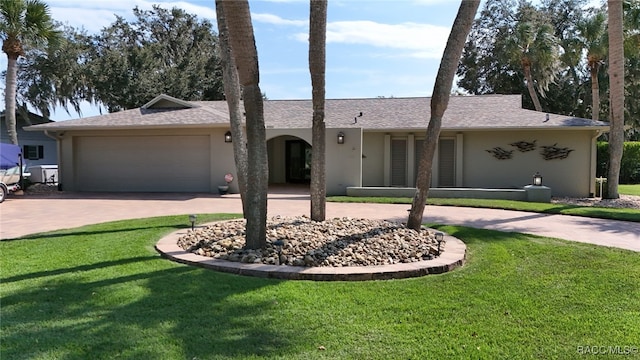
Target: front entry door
(298, 161)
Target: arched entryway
(289, 160)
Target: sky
(374, 47)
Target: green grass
(547, 208)
(629, 189)
(102, 292)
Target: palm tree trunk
(616, 91)
(531, 88)
(439, 103)
(10, 98)
(595, 94)
(243, 48)
(232, 95)
(317, 63)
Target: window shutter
(398, 162)
(419, 146)
(446, 163)
(40, 152)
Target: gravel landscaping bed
(625, 201)
(335, 242)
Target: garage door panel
(143, 163)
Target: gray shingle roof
(381, 114)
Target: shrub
(629, 167)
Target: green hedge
(630, 166)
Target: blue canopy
(9, 156)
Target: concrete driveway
(31, 214)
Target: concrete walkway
(30, 214)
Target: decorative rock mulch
(337, 242)
(624, 202)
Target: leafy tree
(632, 68)
(592, 32)
(616, 94)
(485, 67)
(533, 44)
(233, 95)
(161, 51)
(317, 64)
(57, 76)
(243, 48)
(568, 93)
(439, 102)
(23, 24)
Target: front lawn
(102, 292)
(548, 208)
(629, 189)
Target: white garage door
(143, 163)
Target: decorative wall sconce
(227, 137)
(537, 179)
(341, 138)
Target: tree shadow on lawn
(135, 304)
(78, 268)
(474, 236)
(613, 226)
(80, 233)
(175, 312)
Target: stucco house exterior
(171, 145)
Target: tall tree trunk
(616, 91)
(595, 93)
(243, 48)
(531, 88)
(439, 102)
(317, 63)
(232, 95)
(10, 98)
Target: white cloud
(430, 2)
(95, 14)
(91, 20)
(277, 20)
(419, 40)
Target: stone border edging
(453, 257)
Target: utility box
(47, 174)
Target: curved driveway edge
(453, 257)
(32, 214)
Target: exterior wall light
(227, 137)
(341, 138)
(537, 179)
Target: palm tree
(616, 95)
(233, 94)
(243, 48)
(439, 102)
(317, 61)
(535, 47)
(592, 34)
(23, 23)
